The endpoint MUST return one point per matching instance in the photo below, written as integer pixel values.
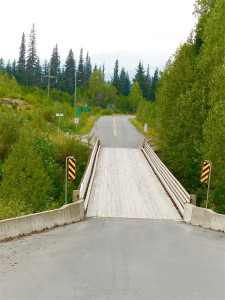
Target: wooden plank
(126, 187)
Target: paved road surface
(126, 187)
(115, 259)
(118, 132)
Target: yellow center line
(114, 127)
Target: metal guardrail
(175, 190)
(87, 180)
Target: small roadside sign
(206, 171)
(86, 107)
(205, 177)
(146, 127)
(59, 115)
(76, 120)
(71, 168)
(79, 111)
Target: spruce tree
(122, 81)
(116, 80)
(31, 57)
(148, 84)
(127, 85)
(68, 77)
(80, 72)
(8, 68)
(141, 78)
(87, 70)
(44, 78)
(38, 74)
(21, 64)
(2, 65)
(155, 79)
(14, 68)
(55, 66)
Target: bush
(25, 188)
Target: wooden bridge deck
(126, 187)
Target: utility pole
(75, 90)
(49, 77)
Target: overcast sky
(96, 25)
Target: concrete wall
(67, 214)
(206, 218)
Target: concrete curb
(205, 218)
(67, 214)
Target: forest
(188, 115)
(184, 106)
(91, 86)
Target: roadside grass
(150, 134)
(88, 124)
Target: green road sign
(86, 107)
(79, 111)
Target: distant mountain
(129, 61)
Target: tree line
(188, 114)
(28, 71)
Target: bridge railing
(175, 190)
(87, 180)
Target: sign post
(146, 128)
(206, 174)
(70, 172)
(76, 121)
(59, 115)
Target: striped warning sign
(206, 171)
(71, 168)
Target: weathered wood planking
(126, 187)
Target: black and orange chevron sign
(71, 168)
(206, 171)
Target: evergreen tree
(68, 77)
(21, 64)
(8, 68)
(127, 85)
(14, 68)
(87, 70)
(31, 57)
(55, 66)
(2, 65)
(95, 68)
(148, 84)
(38, 74)
(81, 78)
(122, 82)
(116, 79)
(141, 78)
(44, 78)
(155, 79)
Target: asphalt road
(115, 259)
(118, 132)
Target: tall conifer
(55, 66)
(68, 78)
(80, 72)
(87, 69)
(21, 64)
(116, 80)
(31, 57)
